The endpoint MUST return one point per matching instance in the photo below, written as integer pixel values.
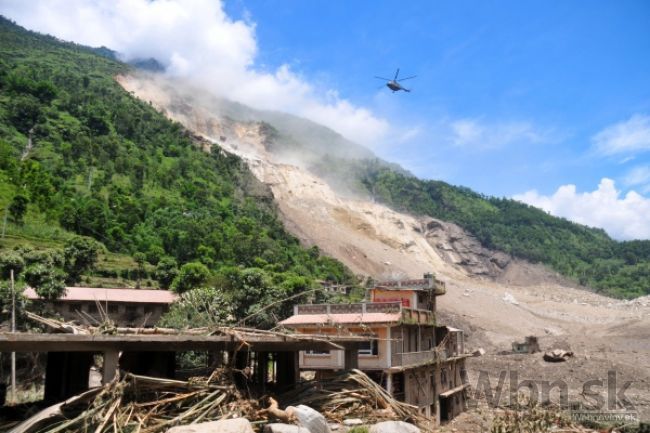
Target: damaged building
(415, 360)
(530, 345)
(124, 306)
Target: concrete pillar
(261, 369)
(111, 364)
(351, 356)
(389, 383)
(66, 374)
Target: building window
(113, 309)
(368, 348)
(92, 308)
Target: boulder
(393, 427)
(557, 355)
(309, 418)
(351, 422)
(478, 352)
(284, 428)
(236, 425)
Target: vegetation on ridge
(81, 156)
(588, 255)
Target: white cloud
(195, 39)
(626, 217)
(478, 134)
(630, 136)
(409, 134)
(638, 176)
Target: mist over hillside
(586, 255)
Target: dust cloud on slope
(495, 298)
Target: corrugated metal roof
(349, 318)
(141, 296)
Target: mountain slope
(587, 255)
(81, 155)
(370, 237)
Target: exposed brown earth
(495, 298)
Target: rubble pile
(144, 404)
(136, 403)
(353, 394)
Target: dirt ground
(607, 338)
(494, 305)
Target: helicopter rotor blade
(396, 74)
(407, 78)
(382, 78)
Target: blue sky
(546, 102)
(563, 71)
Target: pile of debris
(353, 394)
(140, 403)
(146, 404)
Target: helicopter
(394, 84)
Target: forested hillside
(80, 156)
(589, 255)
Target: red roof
(144, 296)
(346, 318)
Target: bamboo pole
(13, 331)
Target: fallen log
(52, 413)
(275, 411)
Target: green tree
(154, 254)
(166, 271)
(25, 112)
(11, 260)
(140, 259)
(48, 282)
(80, 255)
(18, 208)
(204, 306)
(191, 276)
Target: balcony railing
(408, 359)
(444, 350)
(358, 308)
(408, 315)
